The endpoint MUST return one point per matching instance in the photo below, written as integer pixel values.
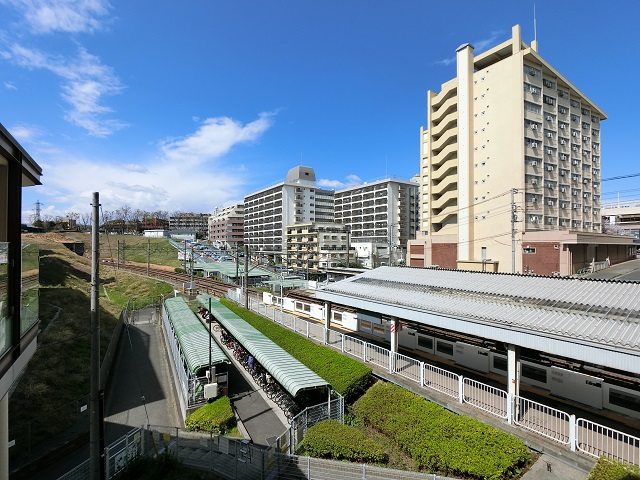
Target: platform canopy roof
(283, 367)
(192, 336)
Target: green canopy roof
(192, 336)
(288, 371)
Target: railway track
(210, 285)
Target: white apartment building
(510, 122)
(384, 214)
(269, 211)
(226, 226)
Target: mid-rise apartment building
(19, 273)
(226, 226)
(297, 200)
(196, 222)
(381, 213)
(314, 247)
(511, 138)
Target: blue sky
(185, 106)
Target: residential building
(315, 246)
(622, 217)
(197, 222)
(511, 123)
(384, 214)
(226, 226)
(19, 273)
(268, 212)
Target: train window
(337, 317)
(534, 373)
(425, 342)
(378, 329)
(307, 307)
(365, 325)
(298, 305)
(444, 347)
(624, 399)
(500, 363)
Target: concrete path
(628, 271)
(549, 468)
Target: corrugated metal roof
(289, 372)
(193, 336)
(593, 311)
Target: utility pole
(513, 230)
(246, 276)
(148, 254)
(348, 246)
(118, 256)
(95, 440)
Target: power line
(619, 177)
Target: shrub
(606, 469)
(214, 417)
(347, 376)
(331, 439)
(438, 440)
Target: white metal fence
(578, 434)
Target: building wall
(508, 121)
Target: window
(425, 342)
(444, 347)
(500, 363)
(532, 107)
(534, 373)
(529, 250)
(549, 100)
(624, 399)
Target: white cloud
(69, 16)
(86, 81)
(350, 181)
(182, 176)
(10, 86)
(215, 138)
(479, 46)
(24, 133)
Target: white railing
(543, 420)
(377, 355)
(583, 435)
(353, 346)
(485, 397)
(407, 367)
(441, 380)
(597, 440)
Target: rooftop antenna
(535, 29)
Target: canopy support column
(395, 331)
(513, 369)
(327, 321)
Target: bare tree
(85, 219)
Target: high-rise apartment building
(384, 212)
(196, 222)
(510, 123)
(226, 226)
(269, 211)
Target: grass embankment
(348, 377)
(56, 381)
(136, 248)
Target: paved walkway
(626, 271)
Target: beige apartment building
(316, 246)
(226, 226)
(510, 138)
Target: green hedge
(346, 375)
(331, 439)
(438, 440)
(606, 469)
(216, 417)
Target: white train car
(560, 382)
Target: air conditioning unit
(550, 118)
(534, 90)
(563, 142)
(549, 135)
(564, 224)
(534, 163)
(575, 193)
(576, 177)
(549, 168)
(563, 189)
(563, 126)
(575, 149)
(534, 126)
(575, 162)
(586, 195)
(575, 134)
(563, 205)
(584, 139)
(534, 219)
(563, 157)
(550, 203)
(549, 151)
(534, 199)
(585, 181)
(534, 144)
(562, 173)
(534, 181)
(550, 221)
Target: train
(587, 385)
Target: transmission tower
(37, 214)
